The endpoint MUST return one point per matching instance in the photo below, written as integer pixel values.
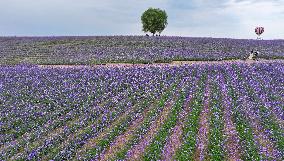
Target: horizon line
(50, 36)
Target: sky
(189, 18)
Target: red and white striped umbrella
(259, 30)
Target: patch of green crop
(267, 119)
(153, 152)
(142, 129)
(250, 149)
(185, 152)
(216, 139)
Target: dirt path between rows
(173, 63)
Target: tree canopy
(154, 20)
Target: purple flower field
(213, 111)
(130, 49)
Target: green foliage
(154, 20)
(251, 151)
(216, 138)
(153, 152)
(246, 138)
(143, 129)
(268, 120)
(185, 152)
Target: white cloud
(252, 13)
(209, 18)
(233, 18)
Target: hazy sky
(193, 18)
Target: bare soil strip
(203, 132)
(232, 142)
(173, 63)
(136, 152)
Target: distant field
(130, 49)
(218, 111)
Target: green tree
(154, 20)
